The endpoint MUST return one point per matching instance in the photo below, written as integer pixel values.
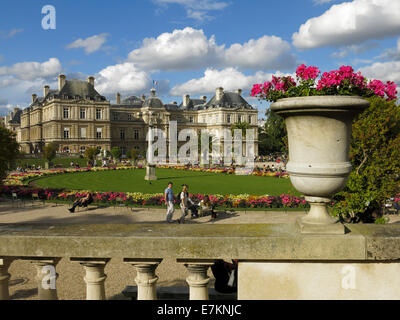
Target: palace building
(76, 117)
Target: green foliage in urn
(9, 151)
(375, 156)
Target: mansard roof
(78, 89)
(229, 100)
(16, 118)
(153, 101)
(192, 105)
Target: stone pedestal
(5, 277)
(46, 277)
(150, 172)
(318, 280)
(94, 277)
(146, 278)
(198, 279)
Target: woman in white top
(183, 197)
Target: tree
(134, 155)
(9, 151)
(116, 152)
(242, 126)
(273, 138)
(49, 152)
(375, 157)
(91, 153)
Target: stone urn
(319, 132)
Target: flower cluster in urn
(336, 82)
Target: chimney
(118, 98)
(34, 96)
(46, 90)
(239, 92)
(91, 80)
(219, 92)
(186, 99)
(61, 81)
(204, 99)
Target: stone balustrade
(267, 254)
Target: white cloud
(31, 70)
(350, 23)
(267, 52)
(392, 54)
(229, 79)
(355, 49)
(197, 9)
(385, 71)
(11, 33)
(90, 44)
(322, 1)
(179, 50)
(123, 78)
(191, 49)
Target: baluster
(146, 278)
(5, 263)
(94, 276)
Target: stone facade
(76, 117)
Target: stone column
(46, 277)
(5, 277)
(146, 278)
(94, 277)
(197, 278)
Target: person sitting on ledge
(82, 202)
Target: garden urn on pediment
(319, 133)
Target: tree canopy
(375, 157)
(49, 151)
(273, 136)
(9, 151)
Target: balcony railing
(143, 246)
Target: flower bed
(157, 199)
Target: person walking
(183, 198)
(169, 202)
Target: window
(66, 133)
(228, 118)
(98, 133)
(66, 149)
(136, 134)
(136, 147)
(115, 116)
(82, 149)
(82, 114)
(66, 113)
(98, 114)
(129, 117)
(83, 133)
(249, 119)
(122, 134)
(239, 118)
(191, 119)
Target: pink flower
(306, 73)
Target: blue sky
(190, 46)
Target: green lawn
(199, 182)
